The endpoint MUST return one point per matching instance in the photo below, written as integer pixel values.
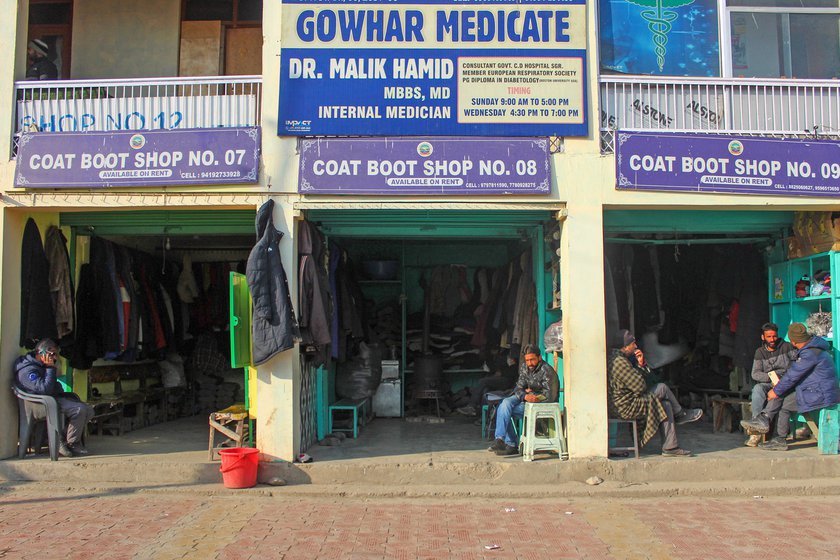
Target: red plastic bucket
(239, 467)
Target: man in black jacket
(40, 67)
(35, 373)
(537, 383)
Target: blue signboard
(659, 37)
(727, 164)
(198, 156)
(432, 67)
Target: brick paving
(240, 527)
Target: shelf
(373, 282)
(812, 298)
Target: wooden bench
(356, 406)
(124, 388)
(723, 409)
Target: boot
(759, 424)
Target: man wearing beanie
(629, 398)
(809, 384)
(40, 66)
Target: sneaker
(753, 440)
(64, 451)
(759, 424)
(690, 415)
(466, 411)
(497, 445)
(78, 449)
(775, 444)
(508, 450)
(676, 452)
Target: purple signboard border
(244, 170)
(692, 145)
(378, 148)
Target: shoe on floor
(64, 451)
(466, 411)
(690, 415)
(508, 450)
(759, 424)
(676, 452)
(753, 440)
(775, 444)
(79, 449)
(497, 445)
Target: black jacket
(542, 380)
(37, 318)
(273, 325)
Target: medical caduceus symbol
(659, 20)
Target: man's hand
(772, 395)
(640, 357)
(532, 398)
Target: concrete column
(13, 34)
(584, 350)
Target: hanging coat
(273, 325)
(61, 289)
(313, 294)
(37, 317)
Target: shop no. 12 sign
(138, 158)
(412, 166)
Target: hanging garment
(187, 286)
(61, 288)
(274, 328)
(335, 321)
(37, 318)
(108, 325)
(313, 295)
(86, 349)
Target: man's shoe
(466, 411)
(64, 450)
(689, 415)
(497, 445)
(753, 440)
(775, 444)
(508, 450)
(79, 449)
(759, 424)
(676, 452)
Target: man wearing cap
(630, 399)
(40, 66)
(809, 384)
(35, 373)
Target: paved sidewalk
(242, 526)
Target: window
(231, 12)
(52, 22)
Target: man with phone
(36, 373)
(771, 361)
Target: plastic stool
(531, 442)
(613, 436)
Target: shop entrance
(153, 298)
(694, 287)
(428, 302)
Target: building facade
(616, 142)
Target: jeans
(758, 398)
(508, 408)
(784, 407)
(78, 414)
(668, 428)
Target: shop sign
(404, 166)
(160, 157)
(727, 164)
(445, 68)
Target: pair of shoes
(803, 433)
(753, 440)
(466, 411)
(508, 450)
(676, 452)
(690, 415)
(497, 445)
(64, 450)
(775, 444)
(78, 449)
(759, 424)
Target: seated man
(35, 373)
(629, 398)
(504, 378)
(537, 383)
(809, 384)
(770, 363)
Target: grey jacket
(778, 360)
(273, 325)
